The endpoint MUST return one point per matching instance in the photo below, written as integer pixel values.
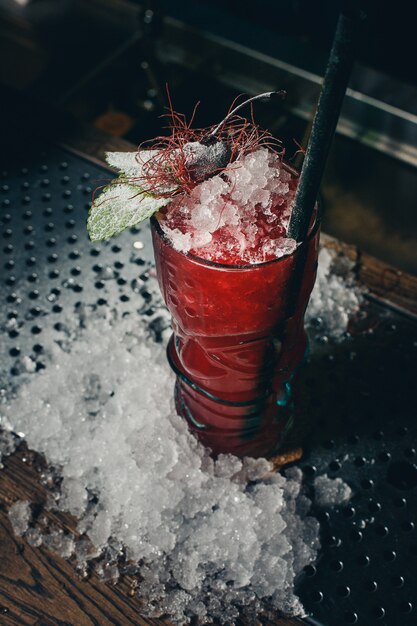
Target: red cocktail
(237, 285)
(235, 257)
(236, 244)
(238, 341)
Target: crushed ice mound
(335, 297)
(205, 538)
(239, 216)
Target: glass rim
(234, 266)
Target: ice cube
(331, 491)
(20, 515)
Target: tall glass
(238, 341)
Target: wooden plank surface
(384, 281)
(39, 587)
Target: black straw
(325, 120)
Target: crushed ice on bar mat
(330, 491)
(335, 297)
(146, 490)
(240, 216)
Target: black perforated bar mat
(359, 395)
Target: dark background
(387, 37)
(105, 63)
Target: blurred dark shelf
(106, 63)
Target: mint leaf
(130, 163)
(118, 207)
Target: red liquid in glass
(238, 341)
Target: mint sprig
(122, 204)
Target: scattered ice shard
(20, 515)
(331, 491)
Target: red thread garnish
(169, 171)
